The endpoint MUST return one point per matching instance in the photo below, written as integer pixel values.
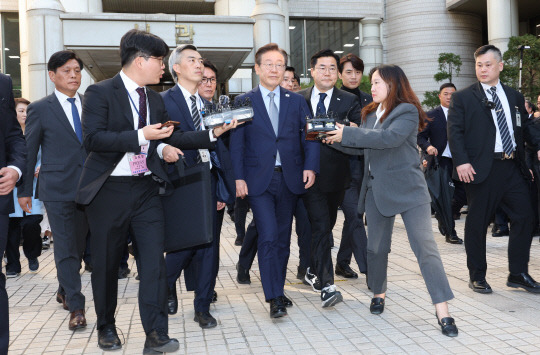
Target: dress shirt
(315, 97)
(123, 169)
(266, 99)
(446, 152)
(66, 106)
(506, 107)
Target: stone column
(40, 36)
(371, 49)
(502, 21)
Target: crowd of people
(95, 167)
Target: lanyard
(134, 106)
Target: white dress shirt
(446, 152)
(506, 107)
(66, 106)
(315, 97)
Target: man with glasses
(326, 195)
(273, 164)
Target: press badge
(205, 155)
(137, 162)
(518, 117)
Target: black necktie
(508, 147)
(142, 107)
(321, 110)
(76, 119)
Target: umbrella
(441, 190)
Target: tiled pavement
(506, 322)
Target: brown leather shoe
(77, 320)
(62, 299)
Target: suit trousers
(322, 209)
(69, 226)
(353, 235)
(128, 205)
(273, 213)
(29, 229)
(417, 222)
(200, 264)
(460, 198)
(4, 307)
(506, 187)
(241, 208)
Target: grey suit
(394, 184)
(62, 158)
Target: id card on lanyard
(137, 162)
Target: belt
(503, 156)
(278, 168)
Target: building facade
(409, 33)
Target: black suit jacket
(435, 132)
(108, 132)
(12, 144)
(471, 130)
(365, 99)
(334, 165)
(62, 154)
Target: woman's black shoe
(377, 305)
(448, 326)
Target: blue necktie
(321, 110)
(508, 147)
(76, 119)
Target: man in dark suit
(54, 125)
(487, 125)
(326, 195)
(353, 236)
(433, 142)
(273, 164)
(122, 125)
(12, 165)
(184, 104)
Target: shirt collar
(187, 94)
(63, 97)
(315, 92)
(265, 91)
(379, 112)
(487, 87)
(445, 109)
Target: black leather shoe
(448, 326)
(524, 281)
(345, 271)
(158, 341)
(501, 232)
(243, 275)
(480, 286)
(214, 297)
(238, 241)
(172, 300)
(123, 273)
(454, 239)
(286, 301)
(205, 320)
(377, 305)
(277, 308)
(108, 338)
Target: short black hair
(355, 61)
(297, 78)
(446, 85)
(137, 43)
(208, 64)
(325, 53)
(291, 69)
(488, 47)
(60, 58)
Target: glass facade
(10, 54)
(308, 36)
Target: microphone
(224, 100)
(489, 104)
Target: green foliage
(431, 99)
(449, 66)
(530, 80)
(365, 84)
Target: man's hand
(309, 178)
(26, 204)
(241, 188)
(221, 205)
(170, 153)
(538, 154)
(218, 131)
(532, 174)
(155, 132)
(465, 172)
(36, 173)
(431, 150)
(8, 179)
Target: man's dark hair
(356, 62)
(269, 48)
(208, 64)
(137, 43)
(325, 53)
(60, 58)
(297, 78)
(291, 69)
(488, 47)
(446, 85)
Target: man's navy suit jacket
(435, 132)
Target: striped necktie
(196, 119)
(508, 147)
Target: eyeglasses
(322, 70)
(208, 80)
(278, 67)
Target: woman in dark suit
(394, 184)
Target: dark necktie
(196, 119)
(76, 119)
(321, 110)
(508, 147)
(142, 107)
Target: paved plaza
(505, 322)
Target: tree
(449, 65)
(530, 79)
